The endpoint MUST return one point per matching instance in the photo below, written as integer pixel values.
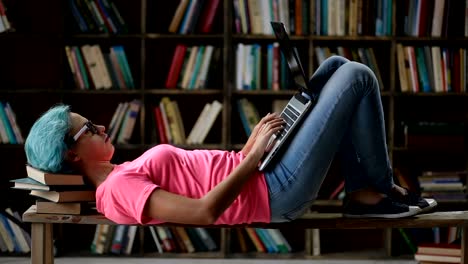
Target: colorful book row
(436, 18)
(257, 72)
(170, 126)
(123, 121)
(97, 16)
(263, 240)
(363, 55)
(113, 239)
(316, 17)
(194, 16)
(192, 66)
(432, 69)
(93, 69)
(13, 238)
(182, 240)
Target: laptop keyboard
(290, 115)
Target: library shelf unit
(35, 75)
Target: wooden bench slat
(312, 220)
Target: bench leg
(464, 244)
(42, 249)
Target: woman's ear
(72, 156)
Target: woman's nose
(101, 129)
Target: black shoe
(386, 208)
(413, 199)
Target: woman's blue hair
(45, 145)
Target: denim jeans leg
(349, 101)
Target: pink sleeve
(126, 199)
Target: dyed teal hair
(45, 145)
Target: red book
(337, 190)
(160, 125)
(208, 15)
(176, 66)
(443, 249)
(423, 18)
(276, 58)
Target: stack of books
(444, 185)
(438, 253)
(57, 193)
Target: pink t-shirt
(192, 173)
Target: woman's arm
(169, 207)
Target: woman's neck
(97, 172)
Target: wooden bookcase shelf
(34, 74)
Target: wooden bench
(42, 239)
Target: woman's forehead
(77, 120)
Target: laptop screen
(291, 55)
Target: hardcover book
(54, 178)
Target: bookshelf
(35, 75)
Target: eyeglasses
(88, 126)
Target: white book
(284, 13)
(341, 19)
(162, 235)
(244, 17)
(2, 26)
(466, 20)
(169, 136)
(5, 234)
(131, 234)
(3, 246)
(215, 109)
(402, 69)
(265, 7)
(118, 122)
(156, 239)
(179, 122)
(320, 54)
(436, 58)
(206, 238)
(331, 17)
(19, 237)
(102, 68)
(92, 65)
(114, 117)
(417, 20)
(129, 122)
(248, 68)
(255, 16)
(188, 72)
(239, 65)
(197, 126)
(437, 18)
(201, 77)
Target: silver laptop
(298, 105)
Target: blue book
(77, 16)
(422, 70)
(269, 67)
(7, 125)
(266, 239)
(243, 117)
(122, 58)
(10, 233)
(324, 17)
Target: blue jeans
(347, 121)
